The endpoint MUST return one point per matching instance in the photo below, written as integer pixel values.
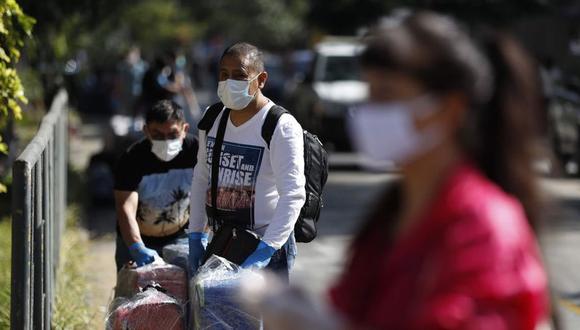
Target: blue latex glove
(197, 244)
(141, 254)
(260, 258)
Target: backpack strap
(215, 161)
(271, 121)
(209, 116)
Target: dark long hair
(498, 79)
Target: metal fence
(38, 218)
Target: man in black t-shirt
(152, 186)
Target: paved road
(348, 196)
(561, 243)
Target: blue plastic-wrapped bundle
(214, 292)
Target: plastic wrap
(130, 280)
(214, 292)
(147, 310)
(177, 254)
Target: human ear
(455, 107)
(262, 78)
(446, 110)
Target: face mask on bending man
(166, 137)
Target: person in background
(159, 81)
(167, 79)
(152, 186)
(452, 244)
(130, 71)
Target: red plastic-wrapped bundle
(173, 279)
(148, 310)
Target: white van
(337, 82)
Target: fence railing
(38, 218)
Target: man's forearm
(285, 217)
(126, 206)
(129, 229)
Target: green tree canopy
(270, 24)
(107, 28)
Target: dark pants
(122, 255)
(281, 261)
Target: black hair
(249, 51)
(497, 77)
(163, 111)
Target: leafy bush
(15, 28)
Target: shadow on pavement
(348, 197)
(100, 220)
(561, 215)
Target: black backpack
(315, 168)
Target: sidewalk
(100, 264)
(560, 244)
(101, 275)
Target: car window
(341, 68)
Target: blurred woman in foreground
(452, 246)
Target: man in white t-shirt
(262, 186)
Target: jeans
(283, 259)
(122, 255)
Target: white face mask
(385, 133)
(166, 150)
(235, 94)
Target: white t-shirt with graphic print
(266, 183)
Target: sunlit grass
(71, 310)
(5, 257)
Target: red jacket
(470, 262)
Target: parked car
(563, 128)
(332, 87)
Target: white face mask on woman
(385, 132)
(235, 94)
(166, 150)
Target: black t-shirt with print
(163, 187)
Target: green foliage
(15, 28)
(270, 24)
(31, 83)
(152, 21)
(106, 31)
(153, 25)
(107, 28)
(5, 258)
